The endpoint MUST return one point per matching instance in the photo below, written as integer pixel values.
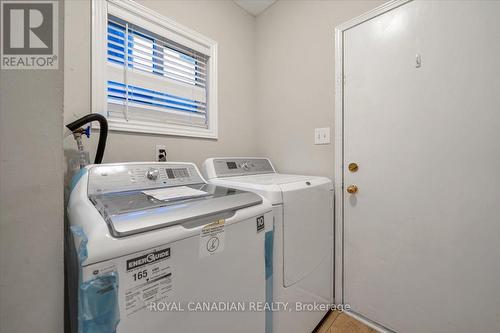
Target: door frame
(339, 144)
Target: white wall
(31, 199)
(295, 80)
(223, 21)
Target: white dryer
(157, 249)
(303, 236)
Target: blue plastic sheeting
(76, 178)
(268, 246)
(82, 240)
(98, 310)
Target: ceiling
(254, 7)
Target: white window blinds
(153, 79)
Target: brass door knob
(352, 189)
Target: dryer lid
(269, 179)
(270, 185)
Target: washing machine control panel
(241, 166)
(132, 176)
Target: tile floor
(338, 322)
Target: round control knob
(153, 174)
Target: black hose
(103, 123)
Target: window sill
(163, 129)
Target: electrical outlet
(160, 153)
(322, 136)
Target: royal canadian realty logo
(148, 258)
(29, 38)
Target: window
(150, 74)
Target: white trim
(388, 6)
(150, 15)
(99, 35)
(186, 35)
(166, 129)
(338, 170)
(151, 21)
(368, 322)
(339, 138)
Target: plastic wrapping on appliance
(76, 177)
(98, 310)
(268, 250)
(80, 240)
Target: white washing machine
(157, 249)
(303, 235)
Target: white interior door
(422, 234)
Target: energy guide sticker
(148, 278)
(212, 238)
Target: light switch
(322, 136)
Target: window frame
(99, 63)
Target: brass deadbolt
(352, 189)
(353, 167)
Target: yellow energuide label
(214, 225)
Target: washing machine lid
(143, 196)
(132, 212)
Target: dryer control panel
(228, 167)
(137, 176)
